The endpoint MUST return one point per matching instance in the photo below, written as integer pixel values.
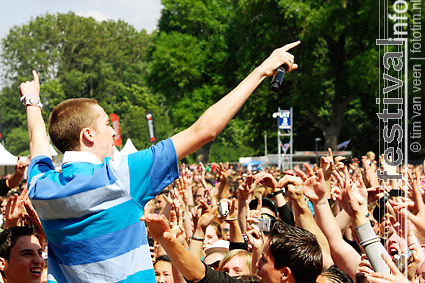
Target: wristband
(282, 191)
(198, 239)
(29, 94)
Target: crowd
(144, 218)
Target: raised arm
(341, 252)
(302, 212)
(19, 172)
(39, 144)
(187, 263)
(213, 121)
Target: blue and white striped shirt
(90, 212)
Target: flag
(343, 145)
(285, 147)
(151, 126)
(116, 125)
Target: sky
(142, 14)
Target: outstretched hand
(315, 187)
(327, 165)
(266, 179)
(20, 166)
(158, 225)
(278, 58)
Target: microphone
(278, 77)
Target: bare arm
(303, 213)
(187, 263)
(39, 144)
(19, 172)
(215, 118)
(341, 252)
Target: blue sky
(142, 14)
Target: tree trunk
(204, 153)
(332, 130)
(331, 133)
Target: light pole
(316, 141)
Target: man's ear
(87, 136)
(286, 274)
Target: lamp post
(316, 141)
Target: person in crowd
(21, 258)
(81, 207)
(236, 263)
(163, 269)
(160, 201)
(212, 234)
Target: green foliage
(189, 58)
(80, 57)
(201, 51)
(337, 62)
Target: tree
(80, 57)
(337, 59)
(189, 61)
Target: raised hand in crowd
(352, 199)
(14, 212)
(303, 216)
(304, 175)
(342, 253)
(14, 180)
(202, 216)
(370, 174)
(223, 175)
(244, 194)
(176, 226)
(257, 240)
(31, 216)
(268, 180)
(187, 186)
(417, 214)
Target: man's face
(159, 203)
(395, 245)
(104, 134)
(25, 262)
(163, 272)
(3, 207)
(265, 267)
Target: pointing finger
(36, 78)
(291, 45)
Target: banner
(151, 126)
(284, 119)
(285, 147)
(116, 125)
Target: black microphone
(278, 77)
